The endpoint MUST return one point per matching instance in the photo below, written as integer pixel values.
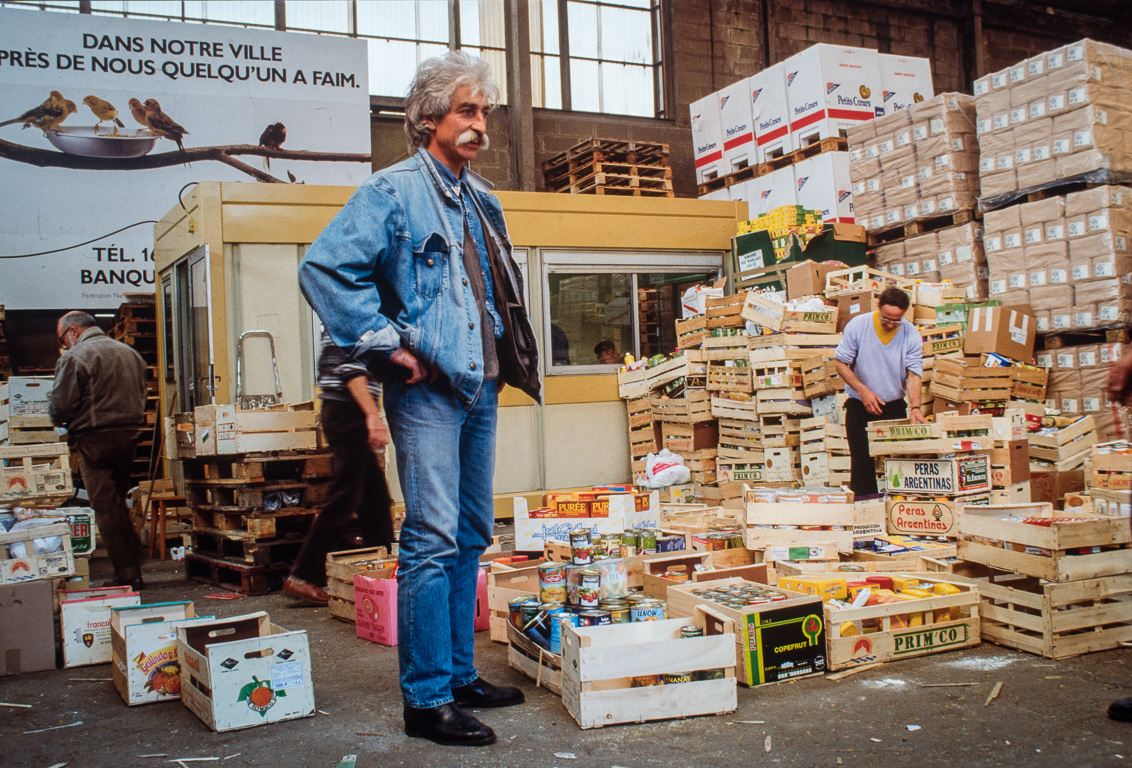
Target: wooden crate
(600, 663)
(958, 380)
(950, 622)
(728, 408)
(782, 465)
(504, 583)
(856, 279)
(725, 312)
(820, 377)
(228, 429)
(340, 570)
(633, 383)
(774, 315)
(740, 440)
(1028, 383)
(739, 471)
(534, 661)
(799, 615)
(1067, 443)
(642, 442)
(33, 566)
(795, 347)
(825, 469)
(1054, 620)
(667, 372)
(692, 407)
(682, 438)
(929, 516)
(1046, 552)
(774, 374)
(639, 412)
(691, 332)
(947, 434)
(1110, 471)
(942, 340)
(35, 475)
(820, 519)
(823, 437)
(782, 400)
(728, 368)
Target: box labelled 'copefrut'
(244, 671)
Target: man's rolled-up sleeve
(846, 350)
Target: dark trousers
(862, 471)
(105, 459)
(358, 488)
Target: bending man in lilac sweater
(879, 358)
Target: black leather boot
(448, 725)
(483, 694)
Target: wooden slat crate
(691, 332)
(740, 439)
(1053, 620)
(729, 408)
(822, 523)
(775, 373)
(1067, 442)
(4, 410)
(943, 340)
(702, 465)
(33, 566)
(958, 380)
(728, 375)
(820, 377)
(782, 400)
(694, 406)
(825, 469)
(823, 438)
(642, 442)
(1028, 383)
(340, 570)
(1110, 471)
(783, 465)
(35, 475)
(949, 623)
(947, 434)
(795, 347)
(633, 383)
(1060, 551)
(534, 661)
(856, 279)
(599, 664)
(774, 315)
(682, 438)
(639, 412)
(725, 312)
(667, 372)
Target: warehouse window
(254, 14)
(596, 56)
(614, 309)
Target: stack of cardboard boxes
(953, 254)
(915, 163)
(1063, 114)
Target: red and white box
(375, 606)
(707, 139)
(904, 80)
(84, 621)
(770, 112)
(773, 190)
(735, 125)
(822, 184)
(830, 88)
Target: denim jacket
(388, 271)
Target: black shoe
(483, 694)
(136, 585)
(448, 725)
(1121, 710)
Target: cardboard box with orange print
(143, 641)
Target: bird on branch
(137, 109)
(104, 111)
(272, 137)
(48, 115)
(163, 125)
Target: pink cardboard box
(483, 615)
(375, 606)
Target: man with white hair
(414, 277)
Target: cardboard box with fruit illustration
(244, 671)
(143, 640)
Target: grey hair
(436, 80)
(76, 319)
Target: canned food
(552, 582)
(691, 631)
(669, 543)
(680, 677)
(589, 588)
(644, 681)
(629, 543)
(580, 544)
(611, 543)
(515, 609)
(594, 618)
(647, 610)
(648, 542)
(529, 612)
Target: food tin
(552, 582)
(580, 551)
(589, 588)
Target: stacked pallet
(135, 324)
(250, 514)
(609, 167)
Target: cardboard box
(28, 402)
(770, 112)
(822, 184)
(905, 80)
(84, 618)
(532, 533)
(27, 628)
(1002, 330)
(143, 641)
(1052, 486)
(229, 684)
(807, 279)
(375, 606)
(829, 88)
(707, 138)
(32, 566)
(736, 127)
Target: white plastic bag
(665, 468)
(40, 546)
(692, 303)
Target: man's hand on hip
(872, 403)
(417, 370)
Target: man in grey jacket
(99, 396)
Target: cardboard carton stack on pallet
(1078, 380)
(1062, 115)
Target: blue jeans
(445, 461)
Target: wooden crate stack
(341, 567)
(250, 515)
(1108, 478)
(1056, 584)
(135, 324)
(608, 167)
(1063, 448)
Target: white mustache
(471, 135)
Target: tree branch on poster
(223, 154)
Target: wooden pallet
(593, 151)
(259, 524)
(260, 467)
(576, 174)
(238, 547)
(235, 497)
(1114, 334)
(1065, 186)
(835, 144)
(246, 579)
(922, 227)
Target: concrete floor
(1048, 713)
